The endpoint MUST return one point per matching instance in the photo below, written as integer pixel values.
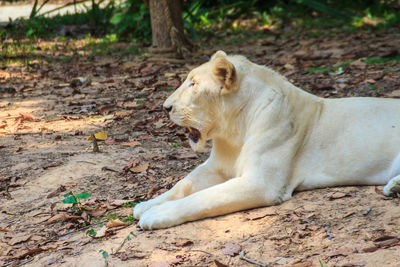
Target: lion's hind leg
(393, 186)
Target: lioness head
(198, 103)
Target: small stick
(198, 250)
(95, 145)
(121, 245)
(251, 261)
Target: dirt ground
(47, 110)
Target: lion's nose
(167, 109)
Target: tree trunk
(167, 27)
(160, 32)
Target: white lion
(271, 138)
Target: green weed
(380, 60)
(129, 204)
(177, 144)
(104, 253)
(71, 198)
(91, 232)
(318, 70)
(128, 219)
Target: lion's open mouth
(194, 134)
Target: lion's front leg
(201, 177)
(233, 195)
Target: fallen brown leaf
(140, 168)
(387, 242)
(187, 156)
(370, 81)
(26, 253)
(61, 216)
(116, 223)
(103, 232)
(85, 216)
(23, 116)
(97, 212)
(131, 143)
(232, 249)
(336, 195)
(152, 190)
(395, 93)
(370, 249)
(19, 239)
(183, 243)
(53, 164)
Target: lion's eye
(191, 84)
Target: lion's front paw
(162, 216)
(392, 187)
(142, 207)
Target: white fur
(269, 139)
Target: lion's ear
(217, 54)
(225, 72)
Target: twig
(84, 161)
(64, 6)
(41, 6)
(198, 250)
(243, 257)
(123, 243)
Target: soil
(48, 110)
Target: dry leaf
(140, 168)
(19, 239)
(116, 223)
(359, 64)
(187, 156)
(85, 216)
(232, 249)
(169, 75)
(395, 93)
(61, 216)
(370, 81)
(53, 164)
(152, 191)
(100, 136)
(131, 143)
(23, 116)
(336, 195)
(102, 232)
(29, 252)
(97, 212)
(183, 243)
(370, 249)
